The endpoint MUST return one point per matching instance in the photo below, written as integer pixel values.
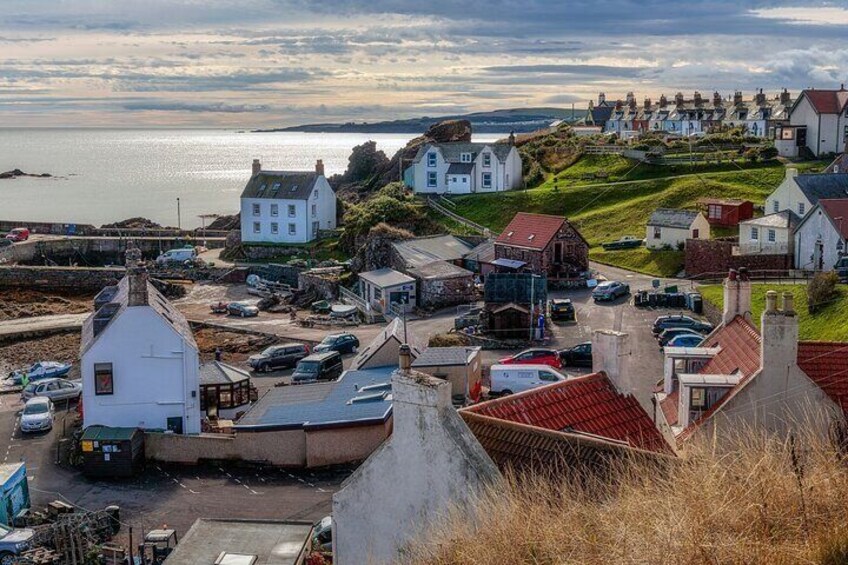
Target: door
(175, 424)
(314, 229)
(818, 256)
(211, 397)
(801, 137)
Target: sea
(101, 176)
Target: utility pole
(179, 221)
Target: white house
(820, 237)
(769, 235)
(669, 227)
(465, 168)
(800, 193)
(383, 287)
(819, 119)
(139, 361)
(286, 206)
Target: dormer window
(431, 159)
(276, 187)
(465, 157)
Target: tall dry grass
(758, 500)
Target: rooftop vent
(294, 188)
(531, 237)
(376, 387)
(104, 315)
(227, 558)
(376, 397)
(510, 234)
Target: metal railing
(349, 297)
(778, 276)
(431, 202)
(763, 248)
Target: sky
(272, 63)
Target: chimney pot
(405, 354)
(788, 303)
(319, 167)
(257, 167)
(771, 302)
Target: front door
(175, 424)
(314, 229)
(818, 256)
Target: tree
(820, 290)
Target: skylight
(510, 234)
(294, 188)
(276, 187)
(531, 237)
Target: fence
(604, 149)
(772, 276)
(349, 297)
(431, 202)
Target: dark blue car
(686, 341)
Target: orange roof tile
(533, 231)
(826, 363)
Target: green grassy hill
(828, 324)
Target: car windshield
(269, 350)
(30, 387)
(330, 340)
(36, 408)
(308, 367)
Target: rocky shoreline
(15, 173)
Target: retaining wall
(68, 279)
(716, 256)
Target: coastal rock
(134, 223)
(19, 173)
(227, 223)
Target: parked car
(180, 256)
(671, 333)
(322, 534)
(13, 542)
(626, 242)
(18, 234)
(41, 370)
(6, 243)
(37, 415)
(577, 356)
(507, 379)
(680, 321)
(536, 356)
(325, 366)
(343, 343)
(242, 309)
(54, 389)
(841, 268)
(278, 357)
(562, 309)
(610, 290)
(686, 340)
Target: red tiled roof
(668, 405)
(827, 101)
(533, 231)
(740, 349)
(837, 208)
(826, 363)
(588, 405)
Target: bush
(820, 290)
(752, 155)
(768, 153)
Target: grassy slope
(829, 324)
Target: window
(776, 206)
(755, 234)
(275, 227)
(257, 227)
(103, 379)
(698, 398)
(464, 180)
(801, 207)
(547, 377)
(291, 210)
(431, 179)
(378, 294)
(315, 194)
(695, 233)
(276, 187)
(465, 157)
(487, 180)
(772, 236)
(714, 211)
(314, 209)
(657, 232)
(292, 229)
(487, 159)
(431, 159)
(256, 209)
(275, 209)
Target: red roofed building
(819, 118)
(543, 244)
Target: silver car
(37, 415)
(54, 389)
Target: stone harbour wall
(69, 279)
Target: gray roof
(484, 252)
(424, 250)
(461, 168)
(440, 270)
(319, 405)
(155, 301)
(784, 219)
(445, 356)
(386, 277)
(271, 541)
(392, 332)
(672, 218)
(217, 373)
(452, 151)
(284, 185)
(823, 186)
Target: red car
(18, 234)
(548, 357)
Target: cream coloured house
(669, 227)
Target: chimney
(618, 105)
(601, 99)
(647, 103)
(698, 99)
(319, 167)
(257, 167)
(779, 328)
(737, 98)
(737, 295)
(632, 103)
(404, 358)
(630, 98)
(760, 98)
(611, 353)
(136, 278)
(716, 99)
(663, 101)
(678, 99)
(791, 173)
(785, 98)
(418, 400)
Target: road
(23, 327)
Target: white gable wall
(303, 218)
(155, 372)
(787, 196)
(816, 241)
(505, 176)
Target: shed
(461, 366)
(442, 284)
(509, 321)
(112, 452)
(14, 490)
(724, 212)
(384, 287)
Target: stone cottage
(542, 244)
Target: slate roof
(156, 302)
(217, 373)
(601, 114)
(386, 277)
(424, 250)
(439, 270)
(317, 405)
(531, 231)
(839, 165)
(837, 208)
(445, 356)
(461, 168)
(823, 186)
(452, 151)
(585, 405)
(392, 332)
(283, 185)
(783, 219)
(672, 218)
(826, 363)
(483, 253)
(826, 101)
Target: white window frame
(292, 229)
(465, 157)
(755, 233)
(487, 180)
(257, 209)
(772, 236)
(275, 210)
(292, 211)
(776, 206)
(487, 159)
(432, 179)
(275, 228)
(257, 227)
(801, 209)
(431, 159)
(314, 209)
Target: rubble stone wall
(715, 256)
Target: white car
(54, 389)
(37, 415)
(180, 255)
(508, 379)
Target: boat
(41, 370)
(342, 310)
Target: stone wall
(440, 293)
(68, 279)
(715, 256)
(326, 286)
(70, 228)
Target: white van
(180, 255)
(507, 379)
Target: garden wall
(715, 256)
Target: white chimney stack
(779, 347)
(737, 295)
(257, 167)
(611, 353)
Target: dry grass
(763, 501)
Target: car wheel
(7, 558)
(506, 392)
(241, 314)
(354, 349)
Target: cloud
(215, 107)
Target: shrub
(752, 155)
(768, 153)
(820, 290)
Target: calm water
(110, 175)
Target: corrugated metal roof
(440, 270)
(283, 185)
(424, 250)
(386, 277)
(105, 433)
